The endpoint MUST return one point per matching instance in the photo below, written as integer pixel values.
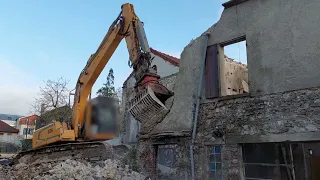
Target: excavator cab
(100, 119)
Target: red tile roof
(6, 128)
(173, 60)
(31, 118)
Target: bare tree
(52, 95)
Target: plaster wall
(164, 68)
(283, 42)
(179, 119)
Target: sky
(42, 40)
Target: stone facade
(282, 106)
(169, 159)
(268, 118)
(280, 117)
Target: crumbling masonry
(268, 131)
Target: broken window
(166, 155)
(215, 163)
(268, 161)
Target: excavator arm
(127, 25)
(94, 119)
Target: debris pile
(71, 170)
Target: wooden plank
(212, 72)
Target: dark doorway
(315, 164)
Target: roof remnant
(31, 119)
(232, 3)
(173, 60)
(6, 128)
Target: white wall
(165, 68)
(5, 137)
(21, 127)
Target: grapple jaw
(148, 105)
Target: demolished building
(167, 68)
(268, 129)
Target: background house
(27, 126)
(9, 139)
(10, 119)
(7, 131)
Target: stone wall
(235, 78)
(292, 115)
(169, 159)
(146, 152)
(173, 158)
(231, 161)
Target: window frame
(215, 161)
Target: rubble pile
(71, 170)
(6, 172)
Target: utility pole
(27, 128)
(70, 95)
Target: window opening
(235, 76)
(215, 164)
(268, 161)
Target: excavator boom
(127, 25)
(95, 119)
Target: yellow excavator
(94, 120)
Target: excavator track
(89, 151)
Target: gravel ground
(70, 170)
